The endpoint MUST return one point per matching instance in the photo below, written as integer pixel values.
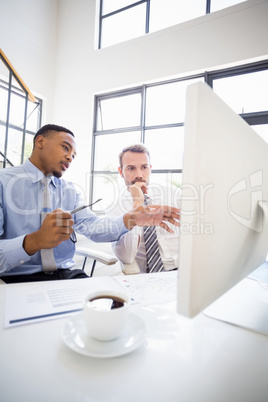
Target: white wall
(59, 60)
(28, 37)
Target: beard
(57, 174)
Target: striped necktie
(47, 255)
(154, 262)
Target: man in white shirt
(135, 168)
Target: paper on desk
(152, 288)
(39, 301)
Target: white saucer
(76, 337)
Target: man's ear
(39, 141)
(120, 171)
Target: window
(15, 142)
(245, 90)
(244, 93)
(154, 115)
(121, 20)
(166, 13)
(150, 114)
(216, 5)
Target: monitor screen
(224, 230)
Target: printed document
(38, 301)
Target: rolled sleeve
(127, 246)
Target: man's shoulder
(11, 171)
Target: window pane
(111, 5)
(2, 144)
(17, 110)
(28, 147)
(262, 130)
(164, 181)
(108, 147)
(171, 12)
(123, 111)
(14, 146)
(166, 147)
(3, 104)
(165, 104)
(220, 4)
(123, 26)
(244, 93)
(33, 117)
(2, 138)
(16, 120)
(106, 187)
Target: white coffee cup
(105, 314)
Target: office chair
(95, 255)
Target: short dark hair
(140, 148)
(46, 130)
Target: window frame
(121, 10)
(253, 118)
(14, 90)
(208, 76)
(142, 128)
(135, 3)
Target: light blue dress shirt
(20, 214)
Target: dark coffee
(106, 303)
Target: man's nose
(139, 174)
(70, 157)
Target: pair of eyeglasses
(74, 211)
(73, 237)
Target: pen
(83, 207)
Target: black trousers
(42, 276)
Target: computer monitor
(224, 213)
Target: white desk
(182, 360)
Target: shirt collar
(36, 175)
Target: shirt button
(21, 262)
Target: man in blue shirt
(22, 236)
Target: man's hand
(137, 191)
(56, 227)
(152, 215)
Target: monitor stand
(245, 305)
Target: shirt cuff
(14, 253)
